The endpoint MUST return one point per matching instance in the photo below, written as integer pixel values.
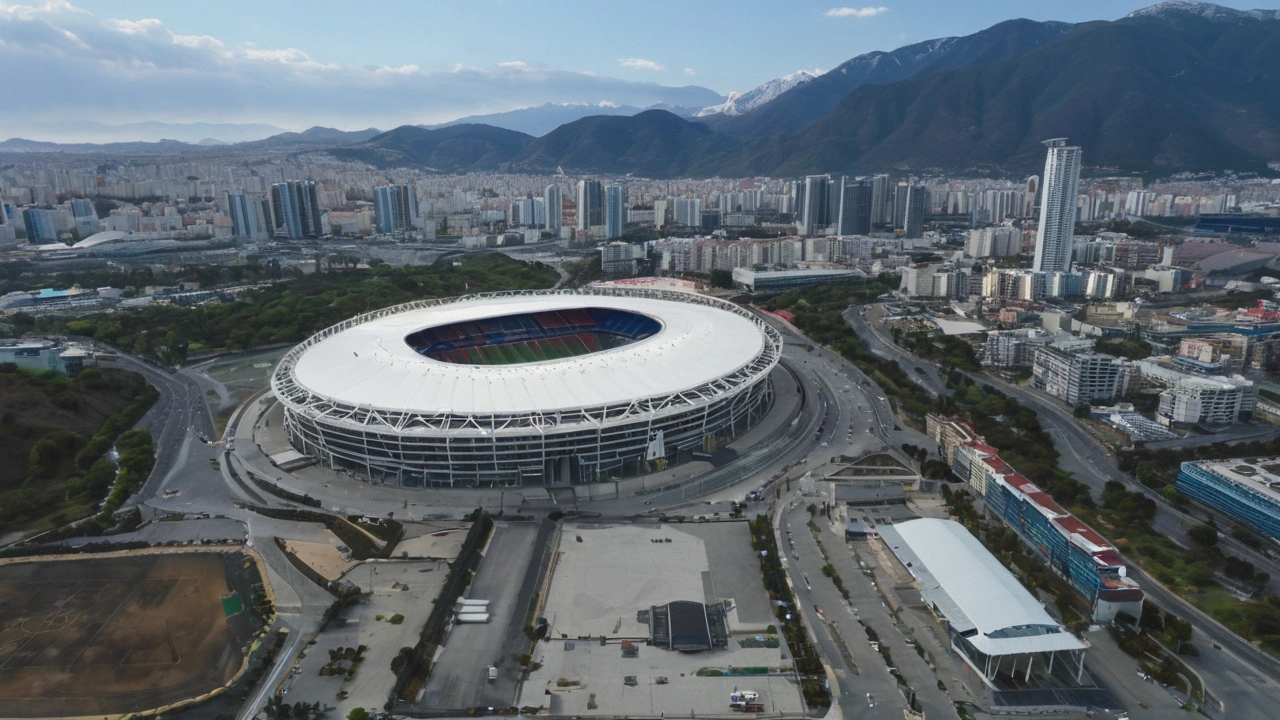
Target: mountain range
(1176, 87)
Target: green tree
(358, 714)
(1203, 535)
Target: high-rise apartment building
(590, 204)
(395, 207)
(615, 210)
(553, 206)
(296, 208)
(1058, 206)
(250, 213)
(688, 212)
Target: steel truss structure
(560, 447)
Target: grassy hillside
(52, 436)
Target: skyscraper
(854, 216)
(1058, 207)
(615, 215)
(814, 213)
(249, 213)
(881, 195)
(554, 204)
(910, 203)
(296, 209)
(395, 207)
(590, 204)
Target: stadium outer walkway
(258, 431)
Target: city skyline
(90, 64)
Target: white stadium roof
(969, 586)
(369, 364)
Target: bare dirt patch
(113, 635)
(324, 558)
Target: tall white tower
(1058, 207)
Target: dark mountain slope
(449, 149)
(1145, 94)
(802, 105)
(654, 143)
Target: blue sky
(354, 65)
(729, 45)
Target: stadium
(553, 388)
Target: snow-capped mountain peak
(740, 102)
(1209, 11)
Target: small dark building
(688, 626)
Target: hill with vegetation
(54, 433)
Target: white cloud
(690, 72)
(66, 62)
(640, 64)
(865, 12)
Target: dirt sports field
(113, 635)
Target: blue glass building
(1245, 489)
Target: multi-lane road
(1239, 675)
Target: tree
(358, 714)
(1199, 574)
(1083, 410)
(1151, 620)
(1203, 535)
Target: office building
(86, 217)
(1243, 488)
(815, 210)
(615, 210)
(881, 200)
(1079, 378)
(911, 203)
(1076, 552)
(296, 209)
(854, 216)
(1190, 398)
(249, 215)
(553, 206)
(590, 204)
(395, 208)
(39, 225)
(1058, 207)
(779, 280)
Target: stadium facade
(512, 389)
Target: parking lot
(399, 588)
(606, 574)
(459, 676)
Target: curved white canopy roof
(973, 590)
(370, 365)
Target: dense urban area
(303, 428)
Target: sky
(76, 66)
